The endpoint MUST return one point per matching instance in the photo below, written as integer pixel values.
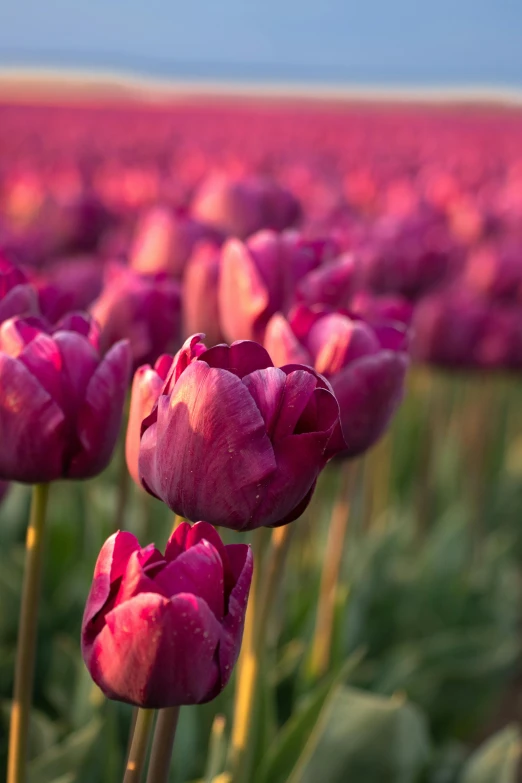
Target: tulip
(165, 630)
(365, 364)
(234, 439)
(17, 296)
(410, 256)
(447, 327)
(144, 309)
(241, 207)
(164, 241)
(331, 284)
(69, 285)
(259, 278)
(200, 292)
(60, 403)
(382, 308)
(146, 388)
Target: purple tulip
(17, 296)
(382, 308)
(164, 241)
(200, 292)
(409, 256)
(366, 365)
(259, 278)
(69, 285)
(60, 403)
(331, 284)
(447, 327)
(144, 309)
(146, 388)
(241, 207)
(165, 630)
(235, 440)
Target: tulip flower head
(165, 630)
(234, 439)
(145, 309)
(61, 402)
(365, 364)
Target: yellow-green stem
(262, 595)
(162, 744)
(139, 745)
(26, 649)
(216, 749)
(322, 641)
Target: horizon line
(109, 83)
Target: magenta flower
(164, 241)
(366, 365)
(200, 292)
(17, 296)
(60, 402)
(146, 310)
(69, 285)
(259, 278)
(146, 388)
(241, 207)
(165, 630)
(236, 440)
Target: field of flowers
(283, 342)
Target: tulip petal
(198, 570)
(156, 652)
(210, 427)
(299, 388)
(110, 567)
(22, 300)
(31, 426)
(241, 358)
(146, 388)
(282, 344)
(369, 392)
(267, 388)
(243, 296)
(99, 418)
(234, 620)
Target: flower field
(260, 441)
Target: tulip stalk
(322, 641)
(26, 649)
(139, 745)
(162, 744)
(263, 592)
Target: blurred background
(137, 141)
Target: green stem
(162, 744)
(217, 749)
(26, 649)
(124, 487)
(139, 745)
(260, 603)
(322, 641)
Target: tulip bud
(146, 310)
(60, 403)
(69, 285)
(236, 440)
(165, 630)
(365, 364)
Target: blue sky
(374, 42)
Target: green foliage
(496, 761)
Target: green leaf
(65, 758)
(284, 751)
(496, 761)
(361, 736)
